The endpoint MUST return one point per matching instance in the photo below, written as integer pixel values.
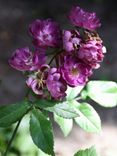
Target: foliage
(64, 112)
(87, 152)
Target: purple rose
(24, 60)
(38, 59)
(55, 84)
(75, 72)
(92, 53)
(46, 33)
(21, 59)
(32, 83)
(71, 40)
(36, 81)
(81, 18)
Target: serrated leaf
(103, 92)
(41, 132)
(42, 103)
(88, 120)
(87, 152)
(11, 113)
(64, 110)
(65, 124)
(73, 92)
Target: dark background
(16, 15)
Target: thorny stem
(12, 138)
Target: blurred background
(15, 17)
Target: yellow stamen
(75, 71)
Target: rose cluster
(75, 53)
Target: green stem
(12, 138)
(27, 94)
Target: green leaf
(65, 124)
(87, 152)
(42, 103)
(41, 132)
(73, 92)
(64, 110)
(11, 113)
(88, 120)
(103, 92)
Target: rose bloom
(45, 33)
(33, 83)
(37, 80)
(92, 53)
(75, 72)
(24, 60)
(81, 18)
(55, 84)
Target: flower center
(75, 72)
(40, 79)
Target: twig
(12, 138)
(54, 57)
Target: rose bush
(60, 85)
